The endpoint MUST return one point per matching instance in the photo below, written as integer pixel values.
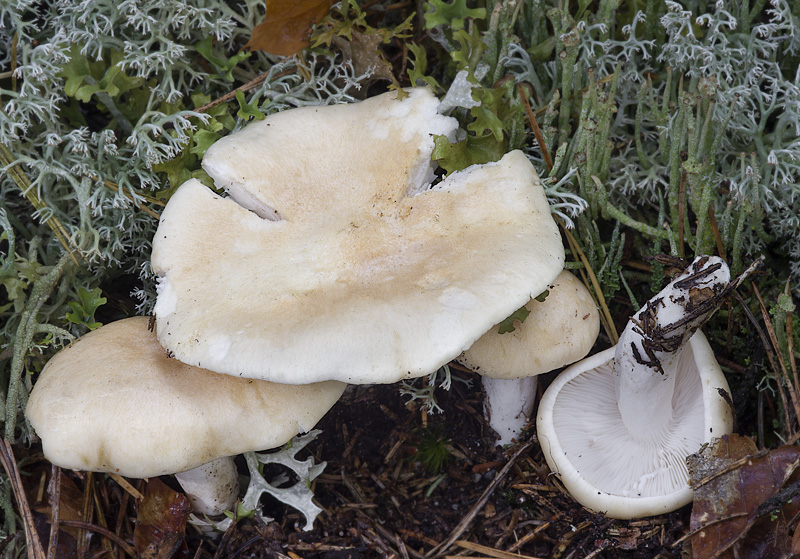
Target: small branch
(681, 214)
(440, 549)
(790, 338)
(35, 549)
(491, 552)
(792, 389)
(125, 546)
(537, 132)
(735, 465)
(712, 219)
(699, 529)
(767, 349)
(255, 82)
(122, 482)
(608, 321)
(55, 508)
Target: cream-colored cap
(558, 331)
(334, 258)
(114, 401)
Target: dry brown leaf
(796, 541)
(70, 504)
(741, 508)
(363, 51)
(287, 25)
(160, 522)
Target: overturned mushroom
(557, 331)
(333, 256)
(617, 427)
(115, 402)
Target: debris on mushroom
(617, 427)
(334, 256)
(557, 331)
(114, 401)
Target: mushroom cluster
(617, 427)
(334, 257)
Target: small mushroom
(617, 427)
(114, 401)
(333, 257)
(557, 331)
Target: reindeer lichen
(656, 127)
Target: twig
(440, 549)
(712, 219)
(529, 536)
(699, 529)
(563, 543)
(790, 340)
(735, 465)
(608, 321)
(255, 82)
(491, 552)
(55, 509)
(537, 132)
(126, 486)
(767, 347)
(774, 340)
(681, 214)
(35, 549)
(93, 495)
(125, 546)
(90, 500)
(404, 550)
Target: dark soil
(398, 483)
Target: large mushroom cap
(558, 331)
(114, 402)
(585, 442)
(349, 266)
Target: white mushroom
(114, 401)
(557, 331)
(617, 427)
(350, 266)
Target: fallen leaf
(743, 499)
(363, 52)
(796, 541)
(287, 26)
(160, 522)
(70, 504)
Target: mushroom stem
(646, 356)
(211, 488)
(508, 405)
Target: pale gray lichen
(297, 495)
(98, 106)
